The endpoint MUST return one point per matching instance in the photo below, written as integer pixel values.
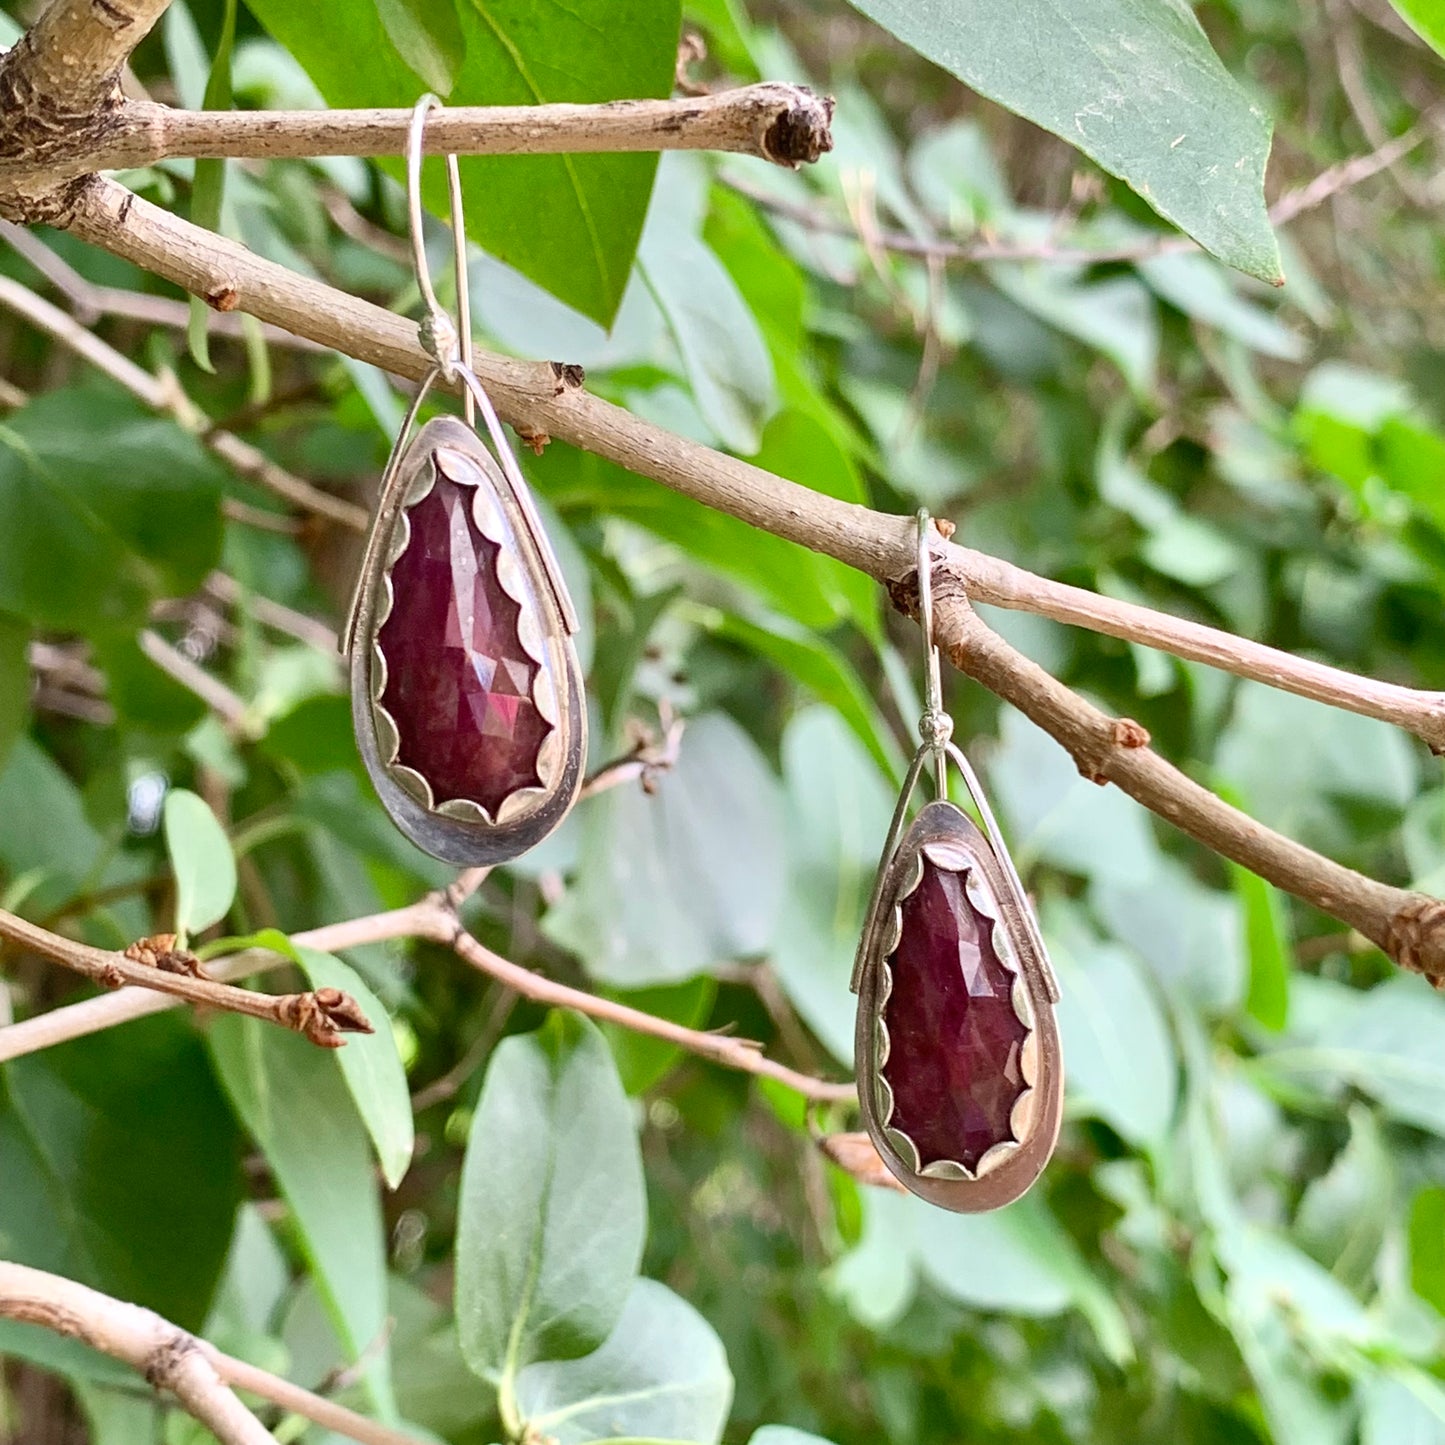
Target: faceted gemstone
(955, 1042)
(459, 684)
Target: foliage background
(1242, 1237)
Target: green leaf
(816, 591)
(1017, 1259)
(121, 1166)
(1134, 85)
(428, 36)
(1122, 1063)
(571, 223)
(825, 671)
(1392, 1412)
(201, 860)
(208, 192)
(1427, 1245)
(1267, 945)
(643, 1061)
(371, 1066)
(291, 1098)
(102, 508)
(552, 1214)
(14, 682)
(1426, 18)
(838, 811)
(661, 1375)
(723, 353)
(1344, 1214)
(1385, 1042)
(691, 875)
(785, 1435)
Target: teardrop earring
(466, 692)
(960, 1076)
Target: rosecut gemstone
(955, 1042)
(459, 684)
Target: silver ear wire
(445, 341)
(935, 727)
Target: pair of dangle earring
(960, 1076)
(466, 692)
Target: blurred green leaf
(1122, 1063)
(1101, 65)
(1344, 1214)
(293, 1101)
(1392, 1412)
(121, 1167)
(689, 876)
(1427, 1245)
(722, 350)
(102, 508)
(427, 35)
(1267, 944)
(202, 862)
(660, 1375)
(785, 1435)
(572, 222)
(838, 808)
(14, 682)
(552, 1213)
(643, 1061)
(1426, 18)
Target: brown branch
(1408, 926)
(733, 1053)
(167, 1357)
(785, 124)
(230, 708)
(323, 1016)
(434, 919)
(531, 397)
(164, 395)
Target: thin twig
(434, 919)
(785, 124)
(273, 614)
(986, 247)
(323, 1016)
(164, 394)
(90, 301)
(166, 1357)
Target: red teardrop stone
(955, 1042)
(459, 684)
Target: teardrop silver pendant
(465, 685)
(466, 692)
(960, 1072)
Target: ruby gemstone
(458, 684)
(955, 1042)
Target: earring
(466, 692)
(960, 1076)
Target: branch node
(323, 1016)
(223, 297)
(160, 951)
(1129, 734)
(802, 132)
(160, 1368)
(1415, 938)
(569, 376)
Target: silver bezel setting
(945, 836)
(461, 830)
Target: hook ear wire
(935, 726)
(446, 342)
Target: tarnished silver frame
(947, 837)
(461, 831)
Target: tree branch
(785, 124)
(322, 1016)
(434, 919)
(168, 1357)
(531, 397)
(1408, 926)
